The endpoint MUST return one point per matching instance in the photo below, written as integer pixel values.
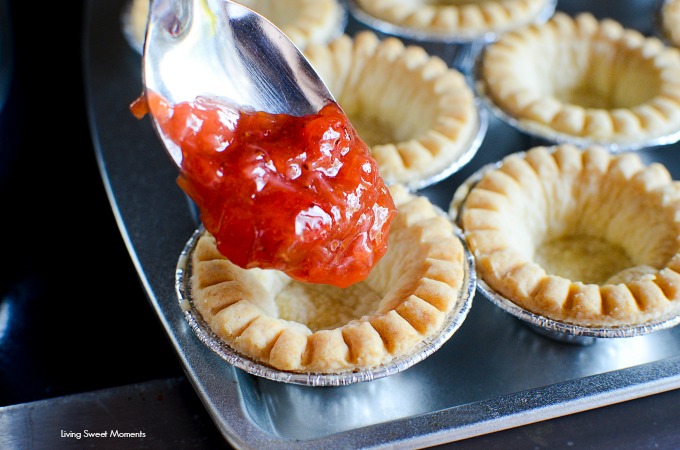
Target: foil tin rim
(569, 329)
(427, 347)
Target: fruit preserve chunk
(298, 194)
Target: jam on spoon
(300, 194)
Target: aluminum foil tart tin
(553, 137)
(459, 50)
(426, 348)
(557, 330)
(570, 333)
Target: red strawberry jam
(298, 194)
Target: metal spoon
(221, 49)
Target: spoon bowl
(222, 50)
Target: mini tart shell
(303, 21)
(470, 18)
(414, 287)
(577, 77)
(552, 192)
(669, 21)
(426, 110)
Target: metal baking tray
(495, 373)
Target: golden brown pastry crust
(584, 78)
(462, 18)
(303, 21)
(417, 115)
(299, 327)
(548, 194)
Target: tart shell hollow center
(325, 307)
(322, 307)
(588, 259)
(373, 130)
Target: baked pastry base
(419, 117)
(583, 81)
(537, 222)
(274, 327)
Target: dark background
(73, 314)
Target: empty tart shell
(669, 21)
(583, 81)
(303, 21)
(411, 298)
(462, 17)
(583, 237)
(418, 116)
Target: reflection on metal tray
(494, 373)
